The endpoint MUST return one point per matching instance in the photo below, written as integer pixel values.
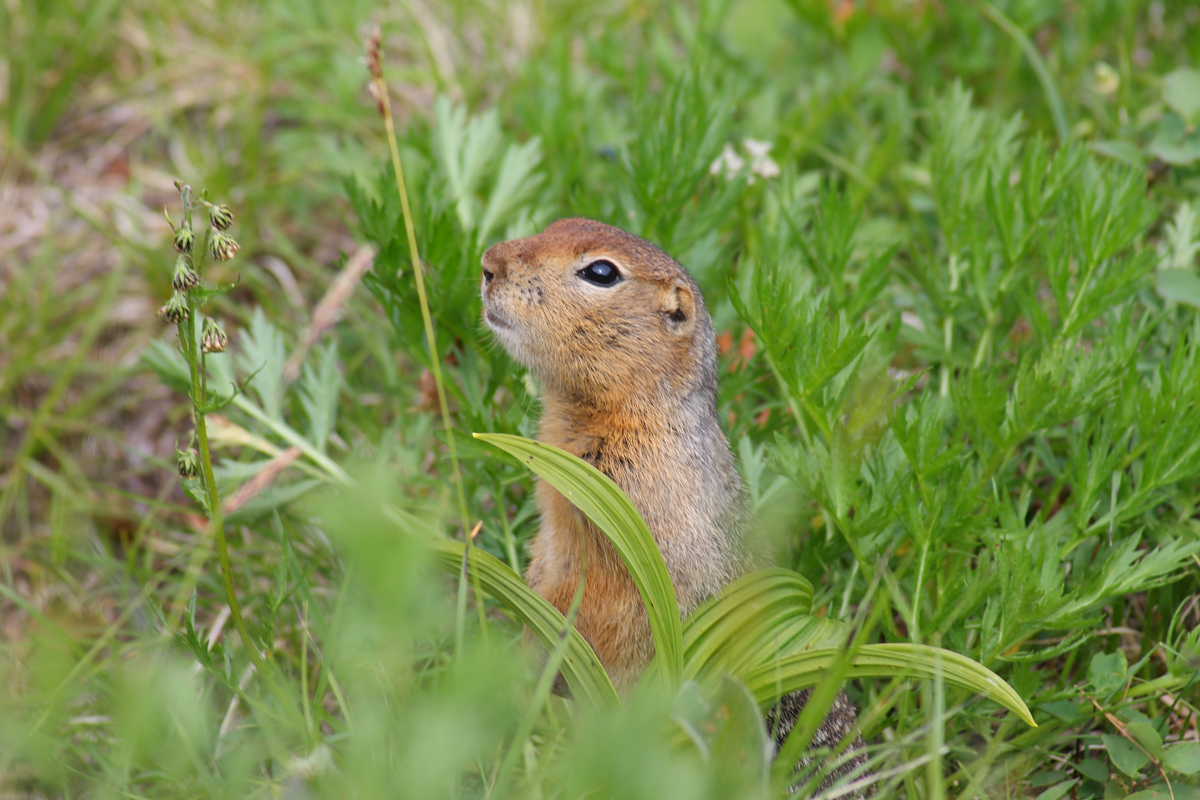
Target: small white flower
(761, 163)
(729, 163)
(732, 165)
(765, 167)
(756, 149)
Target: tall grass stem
(375, 60)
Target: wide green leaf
(1180, 285)
(1183, 757)
(581, 667)
(1181, 91)
(762, 612)
(779, 676)
(603, 502)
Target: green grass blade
(772, 680)
(580, 665)
(603, 502)
(1037, 63)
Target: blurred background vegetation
(951, 252)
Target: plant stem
(216, 524)
(375, 58)
(328, 465)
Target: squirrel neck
(570, 419)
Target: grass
(960, 370)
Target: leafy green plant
(759, 630)
(300, 414)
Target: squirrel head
(597, 313)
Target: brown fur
(629, 378)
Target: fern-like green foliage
(759, 630)
(300, 415)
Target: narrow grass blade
(598, 497)
(541, 694)
(580, 665)
(1037, 63)
(772, 680)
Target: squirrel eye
(600, 273)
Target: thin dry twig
(253, 487)
(1116, 722)
(217, 628)
(329, 310)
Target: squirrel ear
(678, 307)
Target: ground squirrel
(617, 333)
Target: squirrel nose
(494, 263)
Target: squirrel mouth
(497, 321)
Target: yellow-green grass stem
(435, 366)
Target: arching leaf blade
(764, 611)
(603, 502)
(581, 666)
(777, 677)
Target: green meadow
(250, 546)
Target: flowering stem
(194, 355)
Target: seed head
(184, 239)
(187, 462)
(220, 216)
(176, 309)
(185, 278)
(213, 339)
(222, 247)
